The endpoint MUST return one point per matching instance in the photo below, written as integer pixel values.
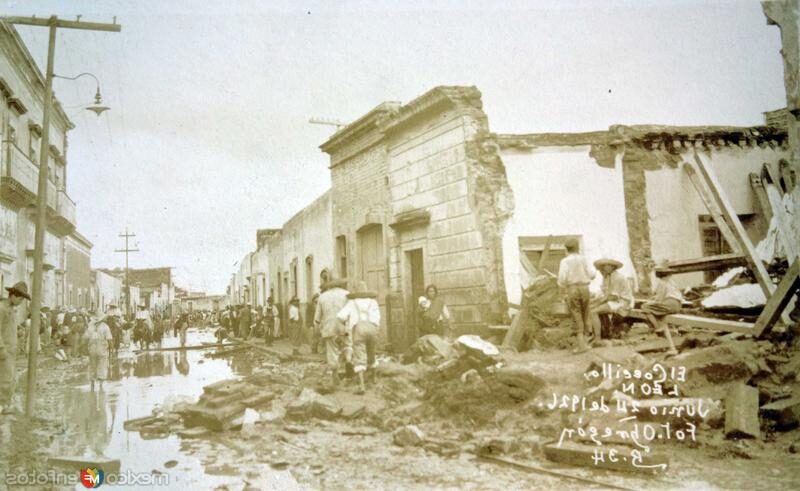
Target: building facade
(299, 252)
(107, 290)
(416, 202)
(21, 112)
(78, 274)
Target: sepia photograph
(400, 245)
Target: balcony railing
(23, 176)
(19, 167)
(66, 207)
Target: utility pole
(127, 249)
(53, 23)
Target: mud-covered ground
(485, 414)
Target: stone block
(785, 413)
(741, 412)
(408, 436)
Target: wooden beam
(518, 325)
(709, 323)
(712, 208)
(774, 195)
(548, 472)
(787, 175)
(779, 300)
(545, 254)
(772, 175)
(761, 197)
(729, 215)
(65, 24)
(705, 263)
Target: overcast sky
(208, 137)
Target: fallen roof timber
(779, 300)
(705, 263)
(710, 323)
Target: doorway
(416, 271)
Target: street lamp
(98, 107)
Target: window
(531, 249)
(714, 244)
(34, 144)
(293, 279)
(341, 255)
(309, 278)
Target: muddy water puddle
(139, 383)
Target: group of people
(244, 322)
(347, 324)
(593, 315)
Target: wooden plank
(548, 472)
(757, 184)
(729, 215)
(709, 323)
(545, 254)
(774, 195)
(656, 345)
(779, 300)
(518, 325)
(787, 175)
(712, 208)
(705, 263)
(185, 348)
(767, 172)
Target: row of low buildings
(424, 193)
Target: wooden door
(373, 260)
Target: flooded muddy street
(247, 417)
(140, 383)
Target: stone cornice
(669, 138)
(358, 128)
(468, 98)
(28, 70)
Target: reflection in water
(137, 384)
(86, 414)
(182, 363)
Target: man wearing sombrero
(616, 296)
(8, 340)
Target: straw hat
(19, 289)
(362, 291)
(607, 262)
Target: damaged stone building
(425, 193)
(416, 202)
(623, 194)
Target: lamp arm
(79, 76)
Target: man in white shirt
(574, 275)
(295, 327)
(363, 316)
(331, 330)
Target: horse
(142, 334)
(157, 333)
